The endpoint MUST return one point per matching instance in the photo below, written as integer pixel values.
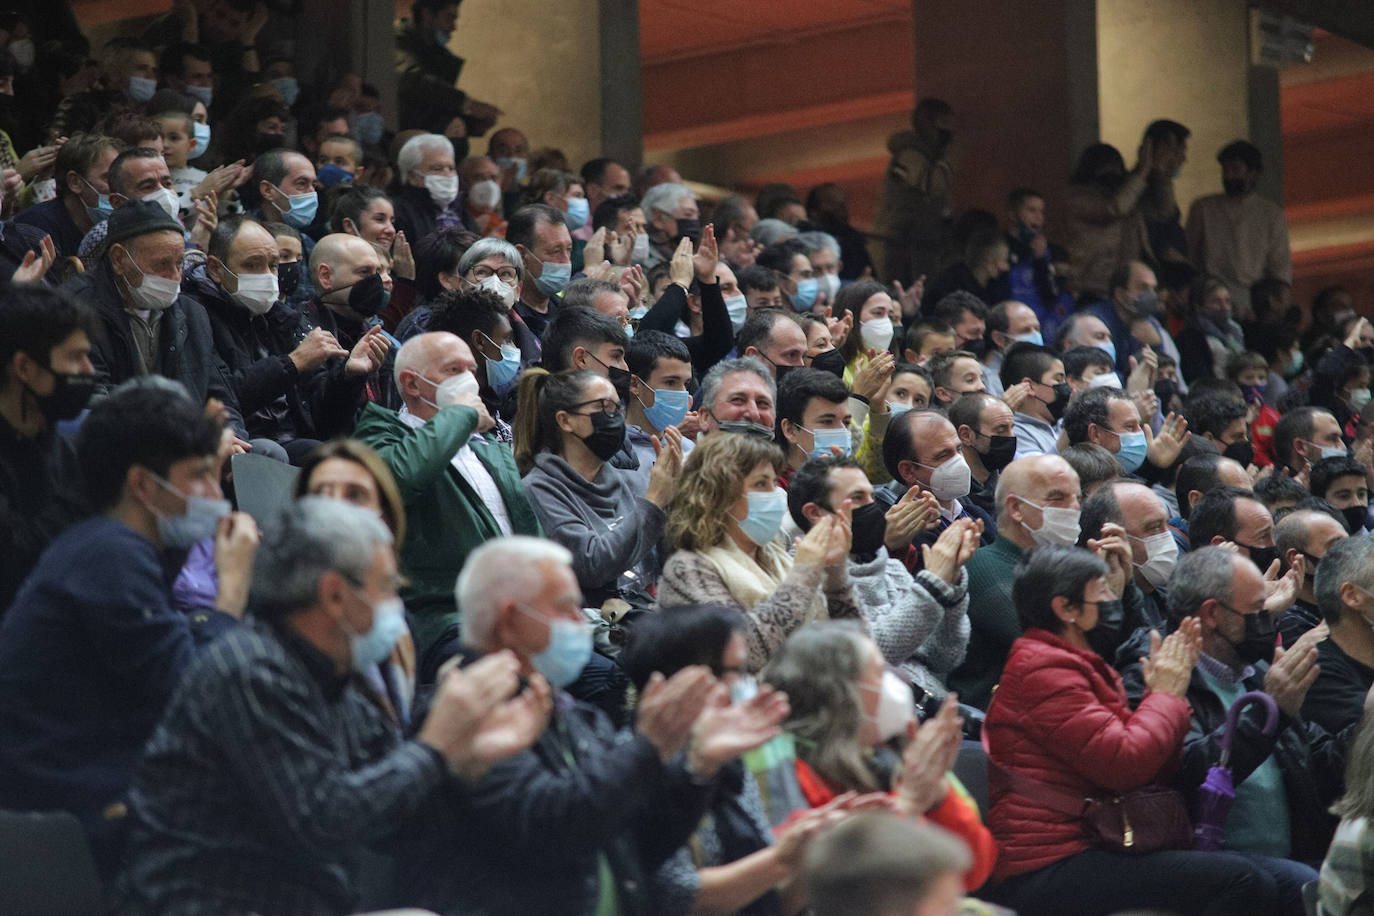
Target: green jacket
(445, 518)
(993, 623)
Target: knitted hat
(139, 217)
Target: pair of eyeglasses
(607, 406)
(507, 275)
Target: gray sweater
(609, 529)
(919, 623)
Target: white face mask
(639, 253)
(830, 285)
(442, 189)
(153, 293)
(165, 198)
(1058, 526)
(876, 333)
(1161, 557)
(738, 308)
(484, 195)
(896, 707)
(1105, 380)
(951, 479)
(256, 292)
(503, 291)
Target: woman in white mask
(854, 729)
(867, 318)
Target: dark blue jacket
(89, 655)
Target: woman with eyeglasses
(568, 426)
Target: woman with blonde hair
(723, 524)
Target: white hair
(771, 231)
(507, 568)
(816, 240)
(415, 353)
(408, 159)
(665, 198)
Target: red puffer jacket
(1060, 717)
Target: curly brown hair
(712, 479)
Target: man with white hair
(428, 197)
(672, 215)
(460, 485)
(274, 749)
(576, 823)
(738, 396)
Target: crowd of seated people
(615, 550)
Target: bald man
(1037, 503)
(922, 449)
(350, 283)
(1135, 509)
(459, 484)
(1307, 534)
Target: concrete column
(559, 71)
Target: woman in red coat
(1060, 718)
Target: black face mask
(943, 138)
(1262, 557)
(266, 142)
(1062, 392)
(1310, 570)
(619, 378)
(70, 394)
(1109, 633)
(746, 428)
(608, 435)
(1257, 645)
(1368, 354)
(1000, 452)
(1355, 517)
(978, 348)
(689, 228)
(1234, 187)
(869, 525)
(288, 277)
(1242, 451)
(1165, 389)
(367, 297)
(831, 361)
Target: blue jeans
(1289, 876)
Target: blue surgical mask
(1109, 346)
(441, 37)
(669, 408)
(1036, 338)
(897, 408)
(823, 439)
(579, 211)
(372, 648)
(141, 89)
(204, 93)
(554, 277)
(764, 519)
(102, 209)
(508, 162)
(502, 373)
(1335, 451)
(1132, 453)
(288, 87)
(303, 208)
(805, 296)
(201, 133)
(738, 308)
(568, 651)
(197, 523)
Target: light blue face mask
(579, 211)
(141, 89)
(502, 373)
(897, 409)
(568, 651)
(201, 133)
(825, 438)
(764, 517)
(1109, 346)
(738, 308)
(1132, 452)
(669, 408)
(510, 162)
(372, 648)
(288, 87)
(303, 208)
(368, 128)
(204, 93)
(553, 277)
(1335, 451)
(102, 209)
(197, 523)
(807, 291)
(1036, 338)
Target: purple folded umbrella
(1218, 791)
